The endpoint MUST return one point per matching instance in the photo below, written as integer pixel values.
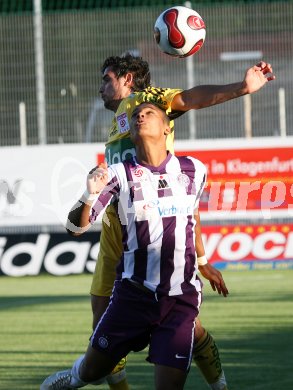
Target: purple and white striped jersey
(156, 208)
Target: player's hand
(257, 76)
(214, 277)
(97, 178)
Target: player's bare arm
(208, 95)
(207, 270)
(78, 217)
(215, 278)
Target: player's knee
(199, 331)
(169, 377)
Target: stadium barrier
(246, 208)
(229, 247)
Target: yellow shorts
(109, 255)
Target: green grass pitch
(45, 323)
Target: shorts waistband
(140, 286)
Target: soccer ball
(180, 31)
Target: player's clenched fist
(97, 178)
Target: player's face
(113, 89)
(148, 120)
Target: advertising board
(229, 247)
(243, 181)
(39, 184)
(249, 181)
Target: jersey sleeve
(201, 179)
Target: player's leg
(169, 378)
(172, 341)
(207, 358)
(99, 305)
(103, 280)
(95, 365)
(205, 352)
(102, 355)
(90, 368)
(109, 256)
(117, 378)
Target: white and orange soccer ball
(180, 31)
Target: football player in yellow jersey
(125, 84)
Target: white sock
(220, 384)
(75, 380)
(112, 379)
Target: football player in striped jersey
(157, 293)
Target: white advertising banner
(40, 184)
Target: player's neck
(115, 105)
(117, 102)
(152, 155)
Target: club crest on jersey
(138, 172)
(183, 180)
(123, 123)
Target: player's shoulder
(199, 165)
(128, 163)
(155, 95)
(162, 97)
(116, 169)
(197, 162)
(158, 90)
(192, 163)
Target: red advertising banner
(250, 246)
(247, 179)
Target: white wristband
(202, 260)
(86, 196)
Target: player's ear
(129, 79)
(167, 130)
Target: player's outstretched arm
(208, 95)
(257, 76)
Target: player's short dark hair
(130, 64)
(165, 115)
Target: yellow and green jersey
(119, 145)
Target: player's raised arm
(78, 220)
(208, 95)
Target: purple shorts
(136, 318)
